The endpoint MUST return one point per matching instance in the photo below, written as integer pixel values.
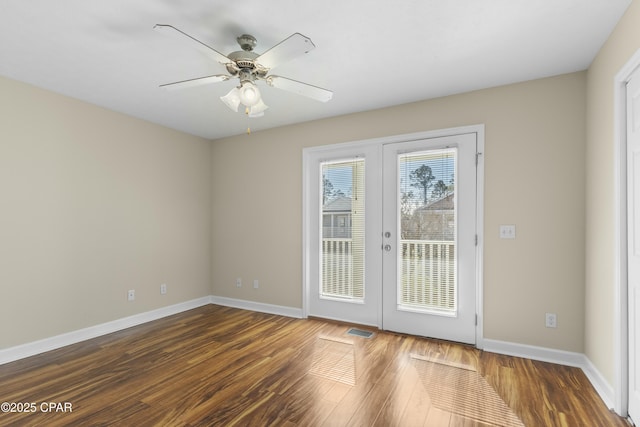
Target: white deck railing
(337, 268)
(428, 272)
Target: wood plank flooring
(218, 366)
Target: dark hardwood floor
(218, 366)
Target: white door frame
(306, 213)
(621, 348)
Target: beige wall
(534, 178)
(93, 203)
(600, 235)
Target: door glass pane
(427, 214)
(342, 211)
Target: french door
(342, 252)
(429, 238)
(390, 234)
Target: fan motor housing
(245, 61)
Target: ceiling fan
(249, 67)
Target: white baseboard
(36, 347)
(604, 389)
(542, 354)
(258, 306)
(560, 357)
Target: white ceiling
(371, 53)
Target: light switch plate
(508, 231)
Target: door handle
(387, 248)
(387, 234)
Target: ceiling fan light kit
(232, 99)
(249, 94)
(257, 110)
(249, 68)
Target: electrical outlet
(163, 288)
(550, 320)
(131, 295)
(256, 284)
(239, 282)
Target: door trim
(308, 153)
(621, 340)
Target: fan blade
(300, 88)
(289, 48)
(206, 49)
(196, 82)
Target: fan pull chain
(246, 112)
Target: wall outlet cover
(550, 320)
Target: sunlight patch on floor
(334, 359)
(460, 390)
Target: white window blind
(342, 212)
(427, 215)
